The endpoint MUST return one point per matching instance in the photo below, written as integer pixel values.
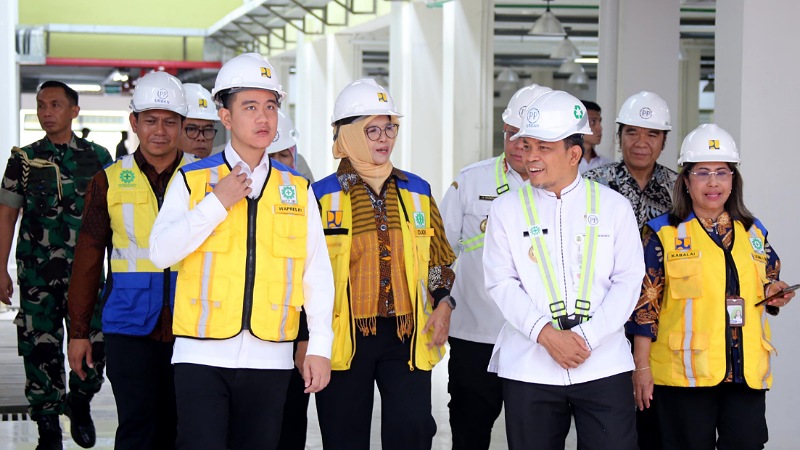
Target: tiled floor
(22, 435)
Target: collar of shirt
(571, 187)
(258, 175)
(348, 177)
(158, 180)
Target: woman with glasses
(702, 338)
(390, 261)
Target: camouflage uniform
(49, 183)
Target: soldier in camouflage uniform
(47, 180)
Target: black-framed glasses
(705, 175)
(192, 132)
(374, 133)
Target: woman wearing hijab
(390, 260)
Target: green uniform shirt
(49, 183)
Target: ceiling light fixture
(547, 24)
(579, 77)
(709, 87)
(568, 66)
(507, 76)
(566, 50)
(86, 87)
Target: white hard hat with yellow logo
(248, 71)
(708, 143)
(363, 97)
(201, 106)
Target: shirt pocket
(689, 355)
(290, 236)
(685, 278)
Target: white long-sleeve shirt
(178, 231)
(514, 282)
(465, 205)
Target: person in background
(702, 337)
(122, 150)
(390, 261)
(197, 136)
(476, 395)
(121, 205)
(47, 181)
(590, 157)
(284, 148)
(85, 132)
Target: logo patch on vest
(286, 209)
(127, 176)
(288, 194)
(535, 231)
(334, 219)
(757, 244)
(683, 244)
(419, 219)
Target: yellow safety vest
(692, 349)
(337, 221)
(139, 290)
(248, 274)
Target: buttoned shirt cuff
(320, 345)
(535, 325)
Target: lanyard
(558, 308)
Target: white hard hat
(646, 110)
(363, 97)
(708, 143)
(159, 90)
(286, 136)
(553, 116)
(201, 106)
(248, 70)
(522, 98)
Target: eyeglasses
(194, 132)
(374, 133)
(720, 175)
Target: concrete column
(9, 81)
(415, 67)
(757, 102)
(647, 59)
(313, 111)
(469, 91)
(608, 34)
(344, 62)
(689, 113)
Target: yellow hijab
(351, 143)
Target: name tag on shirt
(289, 209)
(424, 232)
(682, 255)
(487, 197)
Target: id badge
(735, 307)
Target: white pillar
(469, 91)
(608, 34)
(689, 112)
(647, 59)
(415, 61)
(9, 81)
(757, 102)
(313, 113)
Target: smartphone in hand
(780, 293)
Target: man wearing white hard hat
(644, 122)
(197, 136)
(476, 395)
(249, 240)
(121, 205)
(563, 262)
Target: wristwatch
(451, 302)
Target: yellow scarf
(351, 143)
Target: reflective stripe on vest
(688, 362)
(208, 263)
(765, 379)
(132, 253)
(558, 308)
(501, 181)
(289, 277)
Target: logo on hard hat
(521, 111)
(201, 102)
(266, 72)
(277, 136)
(645, 113)
(162, 93)
(713, 144)
(382, 97)
(578, 112)
(533, 116)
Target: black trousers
(140, 371)
(295, 415)
(345, 406)
(476, 395)
(235, 409)
(538, 415)
(728, 416)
